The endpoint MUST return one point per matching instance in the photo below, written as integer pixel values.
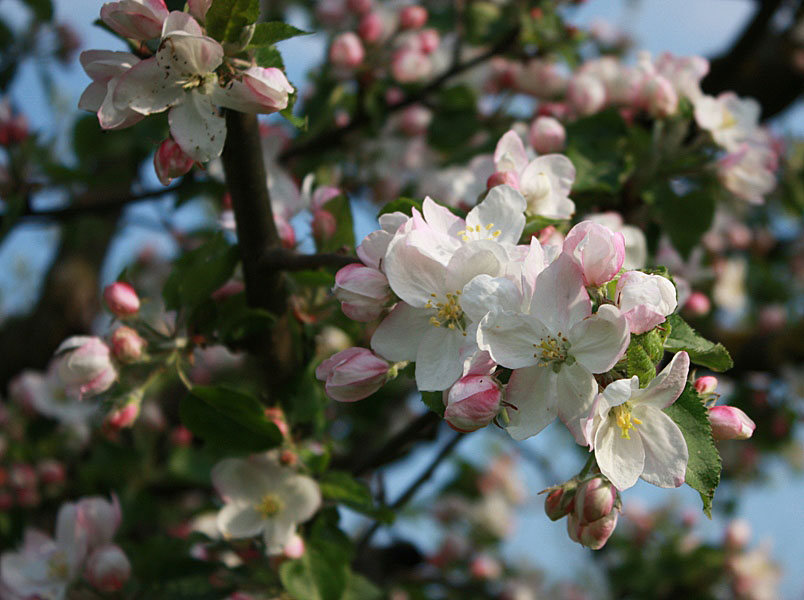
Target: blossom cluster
(188, 74)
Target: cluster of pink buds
(728, 422)
(24, 484)
(592, 507)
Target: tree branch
(281, 259)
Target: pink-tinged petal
(667, 386)
(511, 338)
(510, 155)
(597, 250)
(257, 90)
(441, 219)
(236, 479)
(301, 496)
(136, 20)
(575, 394)
(533, 392)
(92, 97)
(600, 340)
(398, 336)
(197, 127)
(71, 536)
(277, 534)
(532, 266)
(666, 451)
(503, 210)
(413, 274)
(620, 459)
(186, 56)
(145, 88)
(485, 294)
(178, 22)
(560, 299)
(240, 520)
(103, 65)
(438, 360)
(643, 318)
(199, 8)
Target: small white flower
(263, 497)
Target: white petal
(197, 127)
(301, 497)
(620, 391)
(510, 154)
(667, 386)
(441, 218)
(413, 274)
(438, 361)
(185, 56)
(278, 533)
(147, 89)
(476, 258)
(400, 333)
(666, 451)
(240, 520)
(560, 299)
(510, 338)
(246, 480)
(504, 209)
(533, 391)
(485, 293)
(620, 459)
(600, 340)
(575, 393)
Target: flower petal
(146, 88)
(560, 299)
(575, 393)
(510, 338)
(666, 452)
(620, 459)
(197, 127)
(237, 479)
(240, 520)
(277, 534)
(301, 497)
(413, 273)
(503, 209)
(485, 293)
(400, 333)
(667, 386)
(438, 361)
(600, 340)
(533, 392)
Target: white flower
(632, 437)
(263, 497)
(644, 299)
(730, 119)
(106, 68)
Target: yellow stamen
(269, 505)
(625, 421)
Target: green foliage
(645, 352)
(320, 574)
(402, 204)
(227, 18)
(703, 467)
(596, 145)
(227, 418)
(341, 487)
(434, 401)
(267, 34)
(455, 120)
(198, 273)
(42, 9)
(344, 235)
(685, 217)
(269, 56)
(702, 351)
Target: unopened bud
(353, 374)
(429, 40)
(409, 65)
(181, 436)
(362, 291)
(121, 299)
(560, 501)
(412, 17)
(170, 161)
(295, 547)
(706, 384)
(586, 94)
(371, 28)
(503, 178)
(594, 500)
(472, 403)
(698, 304)
(127, 345)
(547, 135)
(594, 535)
(124, 416)
(277, 416)
(108, 568)
(346, 51)
(84, 366)
(136, 20)
(51, 472)
(324, 225)
(730, 423)
(360, 6)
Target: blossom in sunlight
(645, 299)
(84, 366)
(263, 498)
(632, 437)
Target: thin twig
(281, 259)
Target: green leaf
(685, 218)
(702, 351)
(341, 487)
(321, 574)
(229, 419)
(455, 120)
(227, 18)
(536, 223)
(42, 9)
(435, 402)
(703, 467)
(269, 56)
(404, 205)
(267, 34)
(360, 588)
(594, 145)
(200, 272)
(344, 235)
(640, 364)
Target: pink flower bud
(371, 28)
(593, 535)
(659, 97)
(353, 374)
(287, 235)
(295, 547)
(472, 403)
(108, 569)
(698, 304)
(594, 500)
(99, 518)
(484, 566)
(394, 95)
(412, 17)
(84, 366)
(730, 423)
(121, 299)
(362, 291)
(597, 250)
(127, 345)
(346, 51)
(181, 437)
(171, 162)
(13, 125)
(199, 8)
(503, 178)
(123, 417)
(260, 90)
(706, 384)
(415, 120)
(410, 65)
(547, 135)
(324, 225)
(586, 94)
(51, 472)
(560, 501)
(135, 19)
(277, 417)
(429, 40)
(360, 7)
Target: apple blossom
(546, 182)
(46, 395)
(263, 498)
(645, 300)
(84, 366)
(730, 423)
(199, 8)
(730, 119)
(353, 374)
(472, 402)
(127, 345)
(409, 65)
(632, 437)
(745, 173)
(547, 135)
(636, 246)
(170, 162)
(346, 51)
(586, 94)
(106, 68)
(99, 518)
(371, 28)
(429, 40)
(121, 299)
(362, 291)
(108, 568)
(597, 250)
(706, 385)
(137, 19)
(412, 17)
(554, 349)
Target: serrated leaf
(403, 205)
(198, 273)
(267, 34)
(269, 56)
(702, 351)
(226, 18)
(434, 401)
(703, 466)
(320, 574)
(341, 487)
(229, 419)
